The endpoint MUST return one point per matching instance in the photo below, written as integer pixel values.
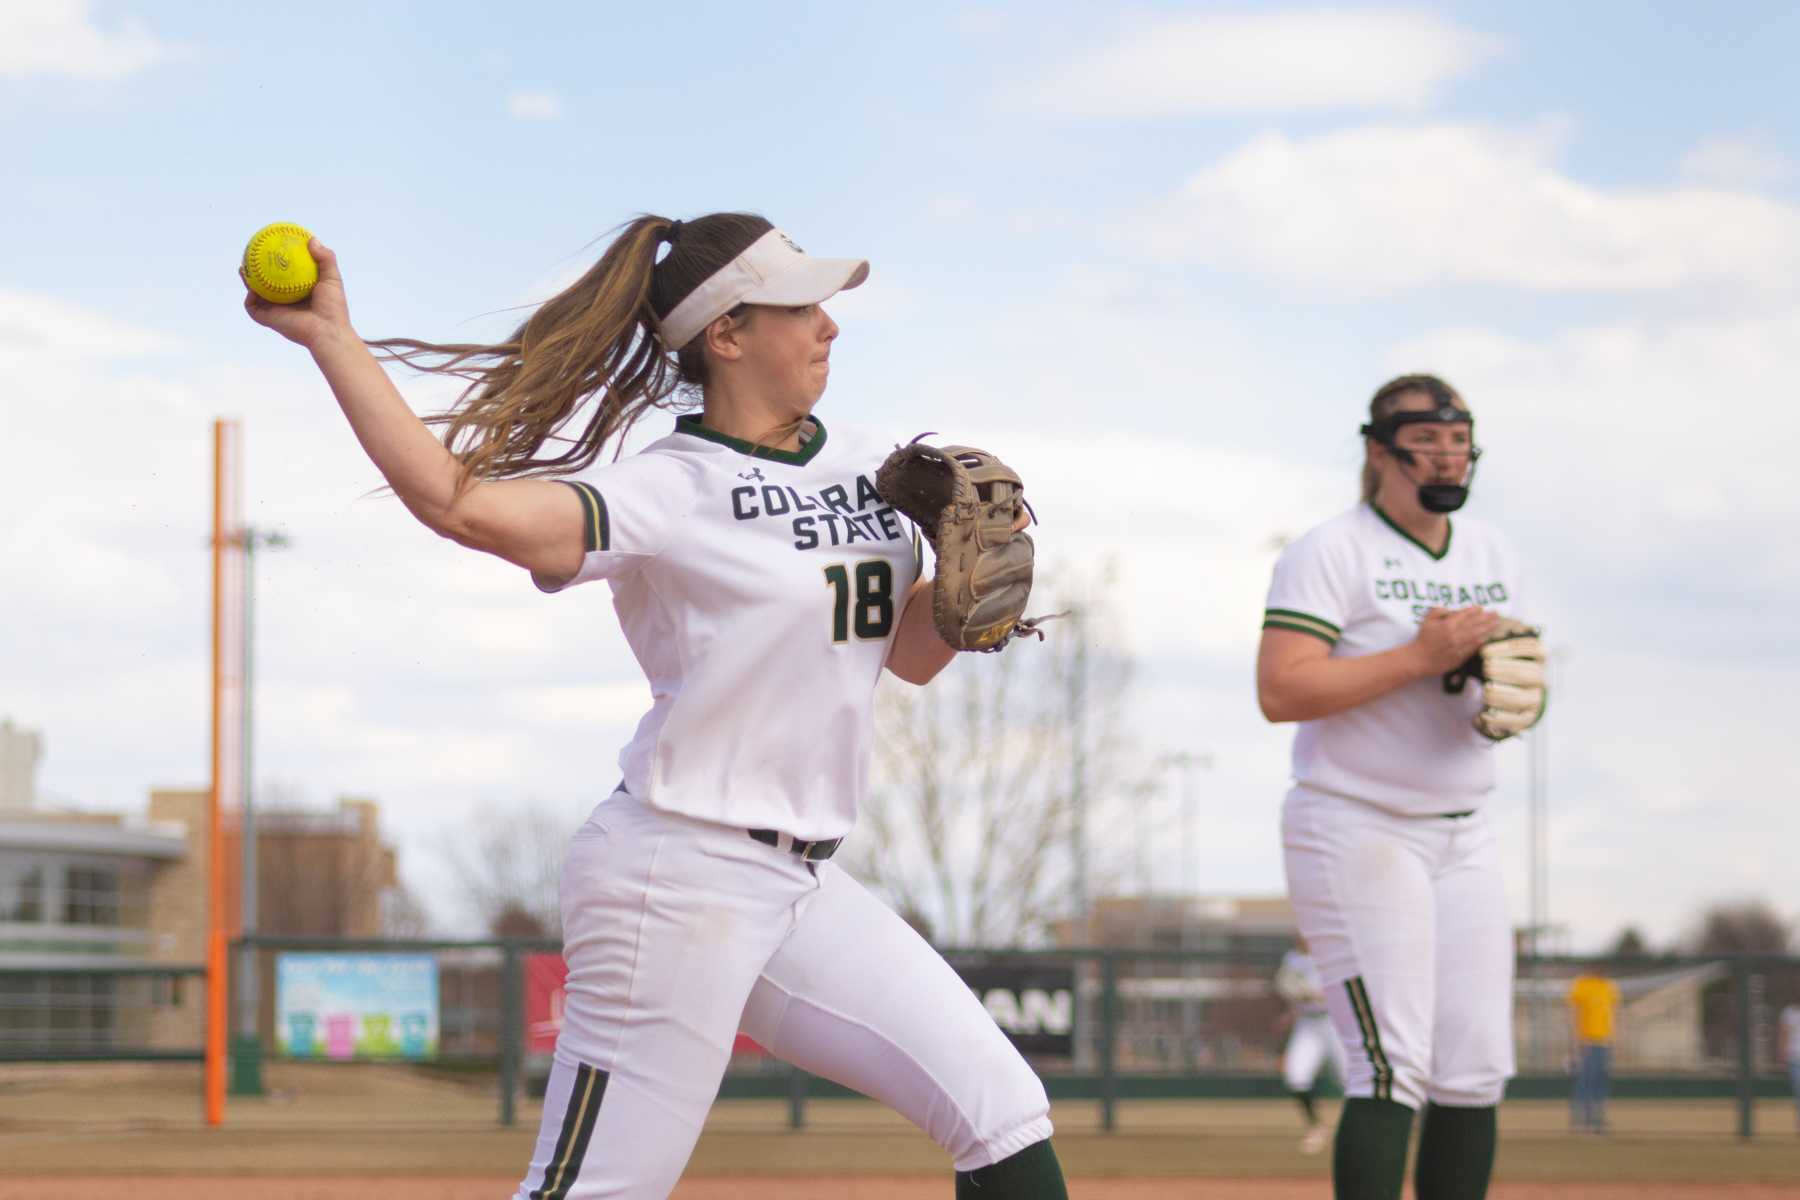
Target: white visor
(771, 270)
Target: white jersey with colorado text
(759, 590)
(1297, 982)
(1362, 584)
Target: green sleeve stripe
(1298, 628)
(1292, 612)
(597, 532)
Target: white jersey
(1790, 1030)
(1361, 584)
(760, 590)
(1297, 982)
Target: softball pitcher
(762, 584)
(1377, 621)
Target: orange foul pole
(216, 992)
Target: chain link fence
(1103, 1025)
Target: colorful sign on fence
(544, 978)
(1034, 1003)
(356, 1006)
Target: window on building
(50, 1013)
(21, 893)
(91, 896)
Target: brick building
(95, 907)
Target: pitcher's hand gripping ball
(277, 265)
(966, 502)
(1510, 666)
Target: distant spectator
(1790, 1050)
(1312, 1046)
(1593, 1014)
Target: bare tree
(1743, 927)
(1747, 927)
(1630, 944)
(981, 780)
(506, 862)
(514, 921)
(403, 914)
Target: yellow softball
(277, 265)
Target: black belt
(809, 851)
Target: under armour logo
(1392, 564)
(753, 473)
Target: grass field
(330, 1132)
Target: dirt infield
(171, 1187)
(332, 1133)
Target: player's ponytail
(598, 336)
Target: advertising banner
(356, 1006)
(1033, 1002)
(544, 978)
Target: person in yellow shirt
(1593, 1016)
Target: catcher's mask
(1433, 497)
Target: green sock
(1306, 1106)
(1031, 1174)
(1456, 1152)
(1368, 1161)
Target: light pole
(246, 1075)
(1185, 762)
(1537, 809)
(1078, 774)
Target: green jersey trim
(1299, 622)
(1436, 555)
(1298, 628)
(1297, 615)
(689, 423)
(596, 529)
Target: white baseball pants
(1406, 918)
(1312, 1043)
(680, 932)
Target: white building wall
(20, 752)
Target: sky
(1158, 256)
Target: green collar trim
(689, 423)
(1436, 555)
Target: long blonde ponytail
(597, 336)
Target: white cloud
(1737, 162)
(1182, 519)
(1387, 207)
(41, 38)
(33, 324)
(1306, 59)
(1640, 465)
(1675, 430)
(392, 663)
(534, 106)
